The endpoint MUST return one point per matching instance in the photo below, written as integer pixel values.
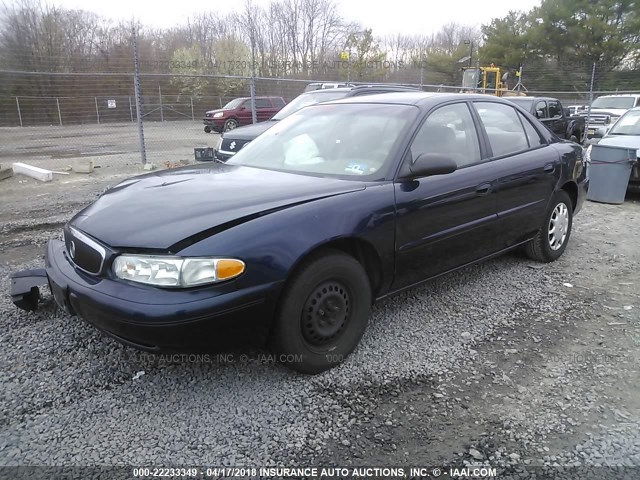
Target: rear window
(504, 129)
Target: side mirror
(428, 164)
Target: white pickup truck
(606, 110)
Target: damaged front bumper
(25, 291)
(145, 317)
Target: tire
(323, 313)
(230, 125)
(548, 245)
(207, 129)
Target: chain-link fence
(49, 119)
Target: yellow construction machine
(490, 80)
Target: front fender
(272, 245)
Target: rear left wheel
(323, 313)
(552, 238)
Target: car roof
(424, 99)
(257, 97)
(636, 95)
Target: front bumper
(215, 123)
(221, 155)
(155, 319)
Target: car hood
(630, 141)
(249, 132)
(615, 112)
(158, 211)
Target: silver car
(625, 133)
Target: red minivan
(238, 112)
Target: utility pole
(470, 43)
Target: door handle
(549, 168)
(483, 189)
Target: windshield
(613, 102)
(471, 78)
(233, 104)
(629, 124)
(308, 99)
(342, 140)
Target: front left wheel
(323, 313)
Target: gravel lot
(512, 364)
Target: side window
(503, 127)
(262, 103)
(554, 110)
(247, 104)
(277, 102)
(535, 140)
(541, 110)
(450, 131)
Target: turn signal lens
(228, 268)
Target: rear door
(527, 170)
(445, 221)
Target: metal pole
(19, 114)
(192, 117)
(130, 109)
(161, 110)
(421, 71)
(471, 53)
(252, 84)
(59, 114)
(97, 110)
(593, 74)
(136, 87)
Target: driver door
(445, 221)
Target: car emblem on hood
(232, 145)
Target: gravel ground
(517, 365)
(109, 145)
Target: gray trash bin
(608, 171)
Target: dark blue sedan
(292, 240)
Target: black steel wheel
(322, 313)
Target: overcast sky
(398, 16)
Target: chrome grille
(85, 253)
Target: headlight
(218, 114)
(176, 271)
